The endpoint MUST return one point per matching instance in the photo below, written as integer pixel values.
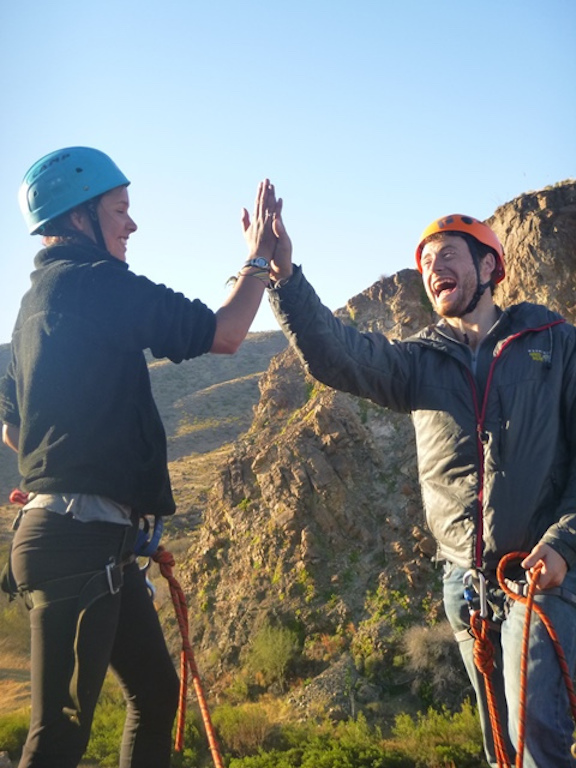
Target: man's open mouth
(443, 287)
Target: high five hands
(266, 235)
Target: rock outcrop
(316, 523)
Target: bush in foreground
(251, 737)
(13, 732)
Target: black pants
(118, 630)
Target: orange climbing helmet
(458, 223)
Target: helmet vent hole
(79, 170)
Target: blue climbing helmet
(64, 179)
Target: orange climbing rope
(166, 563)
(484, 660)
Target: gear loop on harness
(148, 537)
(147, 543)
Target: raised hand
(258, 232)
(281, 265)
(266, 234)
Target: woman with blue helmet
(76, 404)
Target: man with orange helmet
(492, 395)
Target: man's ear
(487, 266)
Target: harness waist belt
(521, 589)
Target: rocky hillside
(316, 524)
(300, 516)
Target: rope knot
(483, 646)
(163, 557)
(484, 657)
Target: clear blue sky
(371, 117)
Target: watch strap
(259, 262)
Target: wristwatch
(258, 261)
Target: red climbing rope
(484, 660)
(531, 606)
(166, 562)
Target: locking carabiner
(475, 582)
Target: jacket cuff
(561, 547)
(288, 283)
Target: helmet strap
(480, 291)
(96, 224)
(480, 287)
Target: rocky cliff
(316, 524)
(311, 529)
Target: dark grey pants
(120, 631)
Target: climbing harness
(88, 587)
(480, 625)
(85, 588)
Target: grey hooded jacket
(496, 443)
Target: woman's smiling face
(115, 222)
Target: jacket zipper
(482, 437)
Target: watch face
(259, 261)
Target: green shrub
(238, 691)
(433, 657)
(243, 729)
(13, 732)
(196, 750)
(348, 745)
(437, 738)
(107, 726)
(270, 654)
(434, 740)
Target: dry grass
(14, 679)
